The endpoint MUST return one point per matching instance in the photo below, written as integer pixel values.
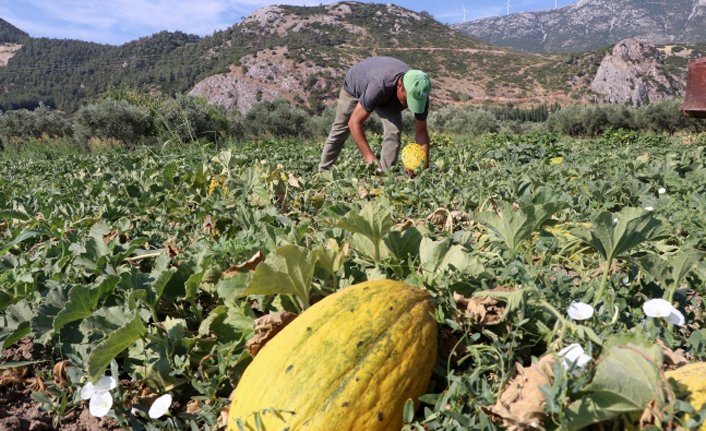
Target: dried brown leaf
(193, 406)
(483, 311)
(493, 206)
(673, 359)
(363, 193)
(404, 225)
(110, 236)
(207, 224)
(267, 327)
(248, 265)
(12, 376)
(438, 217)
(293, 181)
(36, 384)
(521, 405)
(172, 250)
(59, 372)
(614, 269)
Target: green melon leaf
(626, 380)
(112, 346)
(670, 272)
(83, 301)
(514, 227)
(404, 244)
(611, 237)
(438, 256)
(21, 237)
(288, 270)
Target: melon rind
(350, 362)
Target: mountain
(592, 24)
(302, 53)
(11, 34)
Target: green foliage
(41, 122)
(277, 118)
(110, 119)
(627, 380)
(186, 119)
(578, 120)
(11, 34)
(466, 120)
(513, 227)
(288, 270)
(145, 262)
(664, 116)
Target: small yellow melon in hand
(414, 158)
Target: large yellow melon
(691, 385)
(349, 363)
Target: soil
(19, 412)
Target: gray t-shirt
(373, 82)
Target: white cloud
(120, 21)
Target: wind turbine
(464, 12)
(508, 7)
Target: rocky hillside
(591, 24)
(302, 53)
(480, 74)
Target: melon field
(565, 278)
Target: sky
(116, 22)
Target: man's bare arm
(355, 124)
(421, 136)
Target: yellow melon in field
(348, 363)
(691, 385)
(414, 158)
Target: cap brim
(416, 105)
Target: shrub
(664, 116)
(277, 118)
(235, 125)
(464, 120)
(111, 119)
(42, 122)
(187, 119)
(320, 125)
(594, 120)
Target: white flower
(657, 308)
(649, 208)
(160, 406)
(574, 354)
(101, 400)
(100, 404)
(105, 383)
(661, 308)
(675, 318)
(87, 391)
(615, 220)
(662, 190)
(580, 311)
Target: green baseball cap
(418, 88)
